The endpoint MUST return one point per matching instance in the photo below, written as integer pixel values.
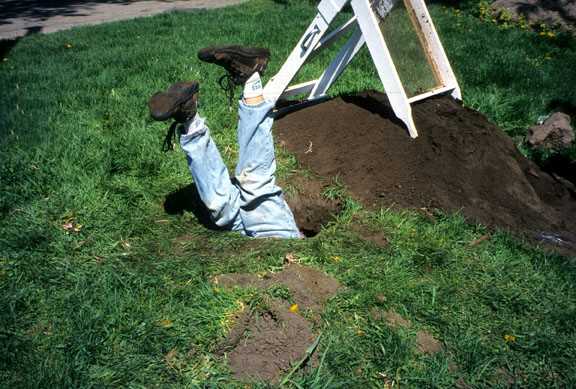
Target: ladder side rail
(432, 45)
(433, 92)
(384, 65)
(328, 9)
(298, 89)
(337, 66)
(332, 36)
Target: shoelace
(228, 87)
(170, 138)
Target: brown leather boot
(178, 102)
(240, 62)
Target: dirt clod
(427, 344)
(378, 238)
(264, 344)
(554, 133)
(460, 162)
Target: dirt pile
(460, 162)
(265, 342)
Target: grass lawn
(98, 285)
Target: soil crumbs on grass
(459, 162)
(266, 342)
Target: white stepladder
(367, 31)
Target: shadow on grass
(44, 9)
(8, 44)
(188, 199)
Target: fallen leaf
(290, 258)
(509, 338)
(170, 358)
(166, 323)
(70, 225)
(481, 239)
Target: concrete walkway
(22, 17)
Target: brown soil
(391, 318)
(264, 344)
(426, 343)
(460, 162)
(311, 209)
(378, 238)
(310, 288)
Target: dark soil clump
(460, 162)
(378, 238)
(264, 343)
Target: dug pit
(460, 163)
(312, 210)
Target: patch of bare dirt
(426, 343)
(460, 162)
(555, 13)
(310, 288)
(264, 344)
(378, 238)
(503, 377)
(391, 318)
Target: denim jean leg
(211, 177)
(263, 210)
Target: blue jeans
(251, 202)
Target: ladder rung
(433, 92)
(298, 89)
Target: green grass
(407, 52)
(104, 306)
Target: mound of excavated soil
(460, 162)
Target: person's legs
(219, 195)
(211, 176)
(263, 210)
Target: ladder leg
(384, 64)
(337, 66)
(296, 59)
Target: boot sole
(177, 102)
(208, 55)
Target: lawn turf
(126, 299)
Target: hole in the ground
(313, 213)
(561, 165)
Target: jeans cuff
(265, 105)
(193, 129)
